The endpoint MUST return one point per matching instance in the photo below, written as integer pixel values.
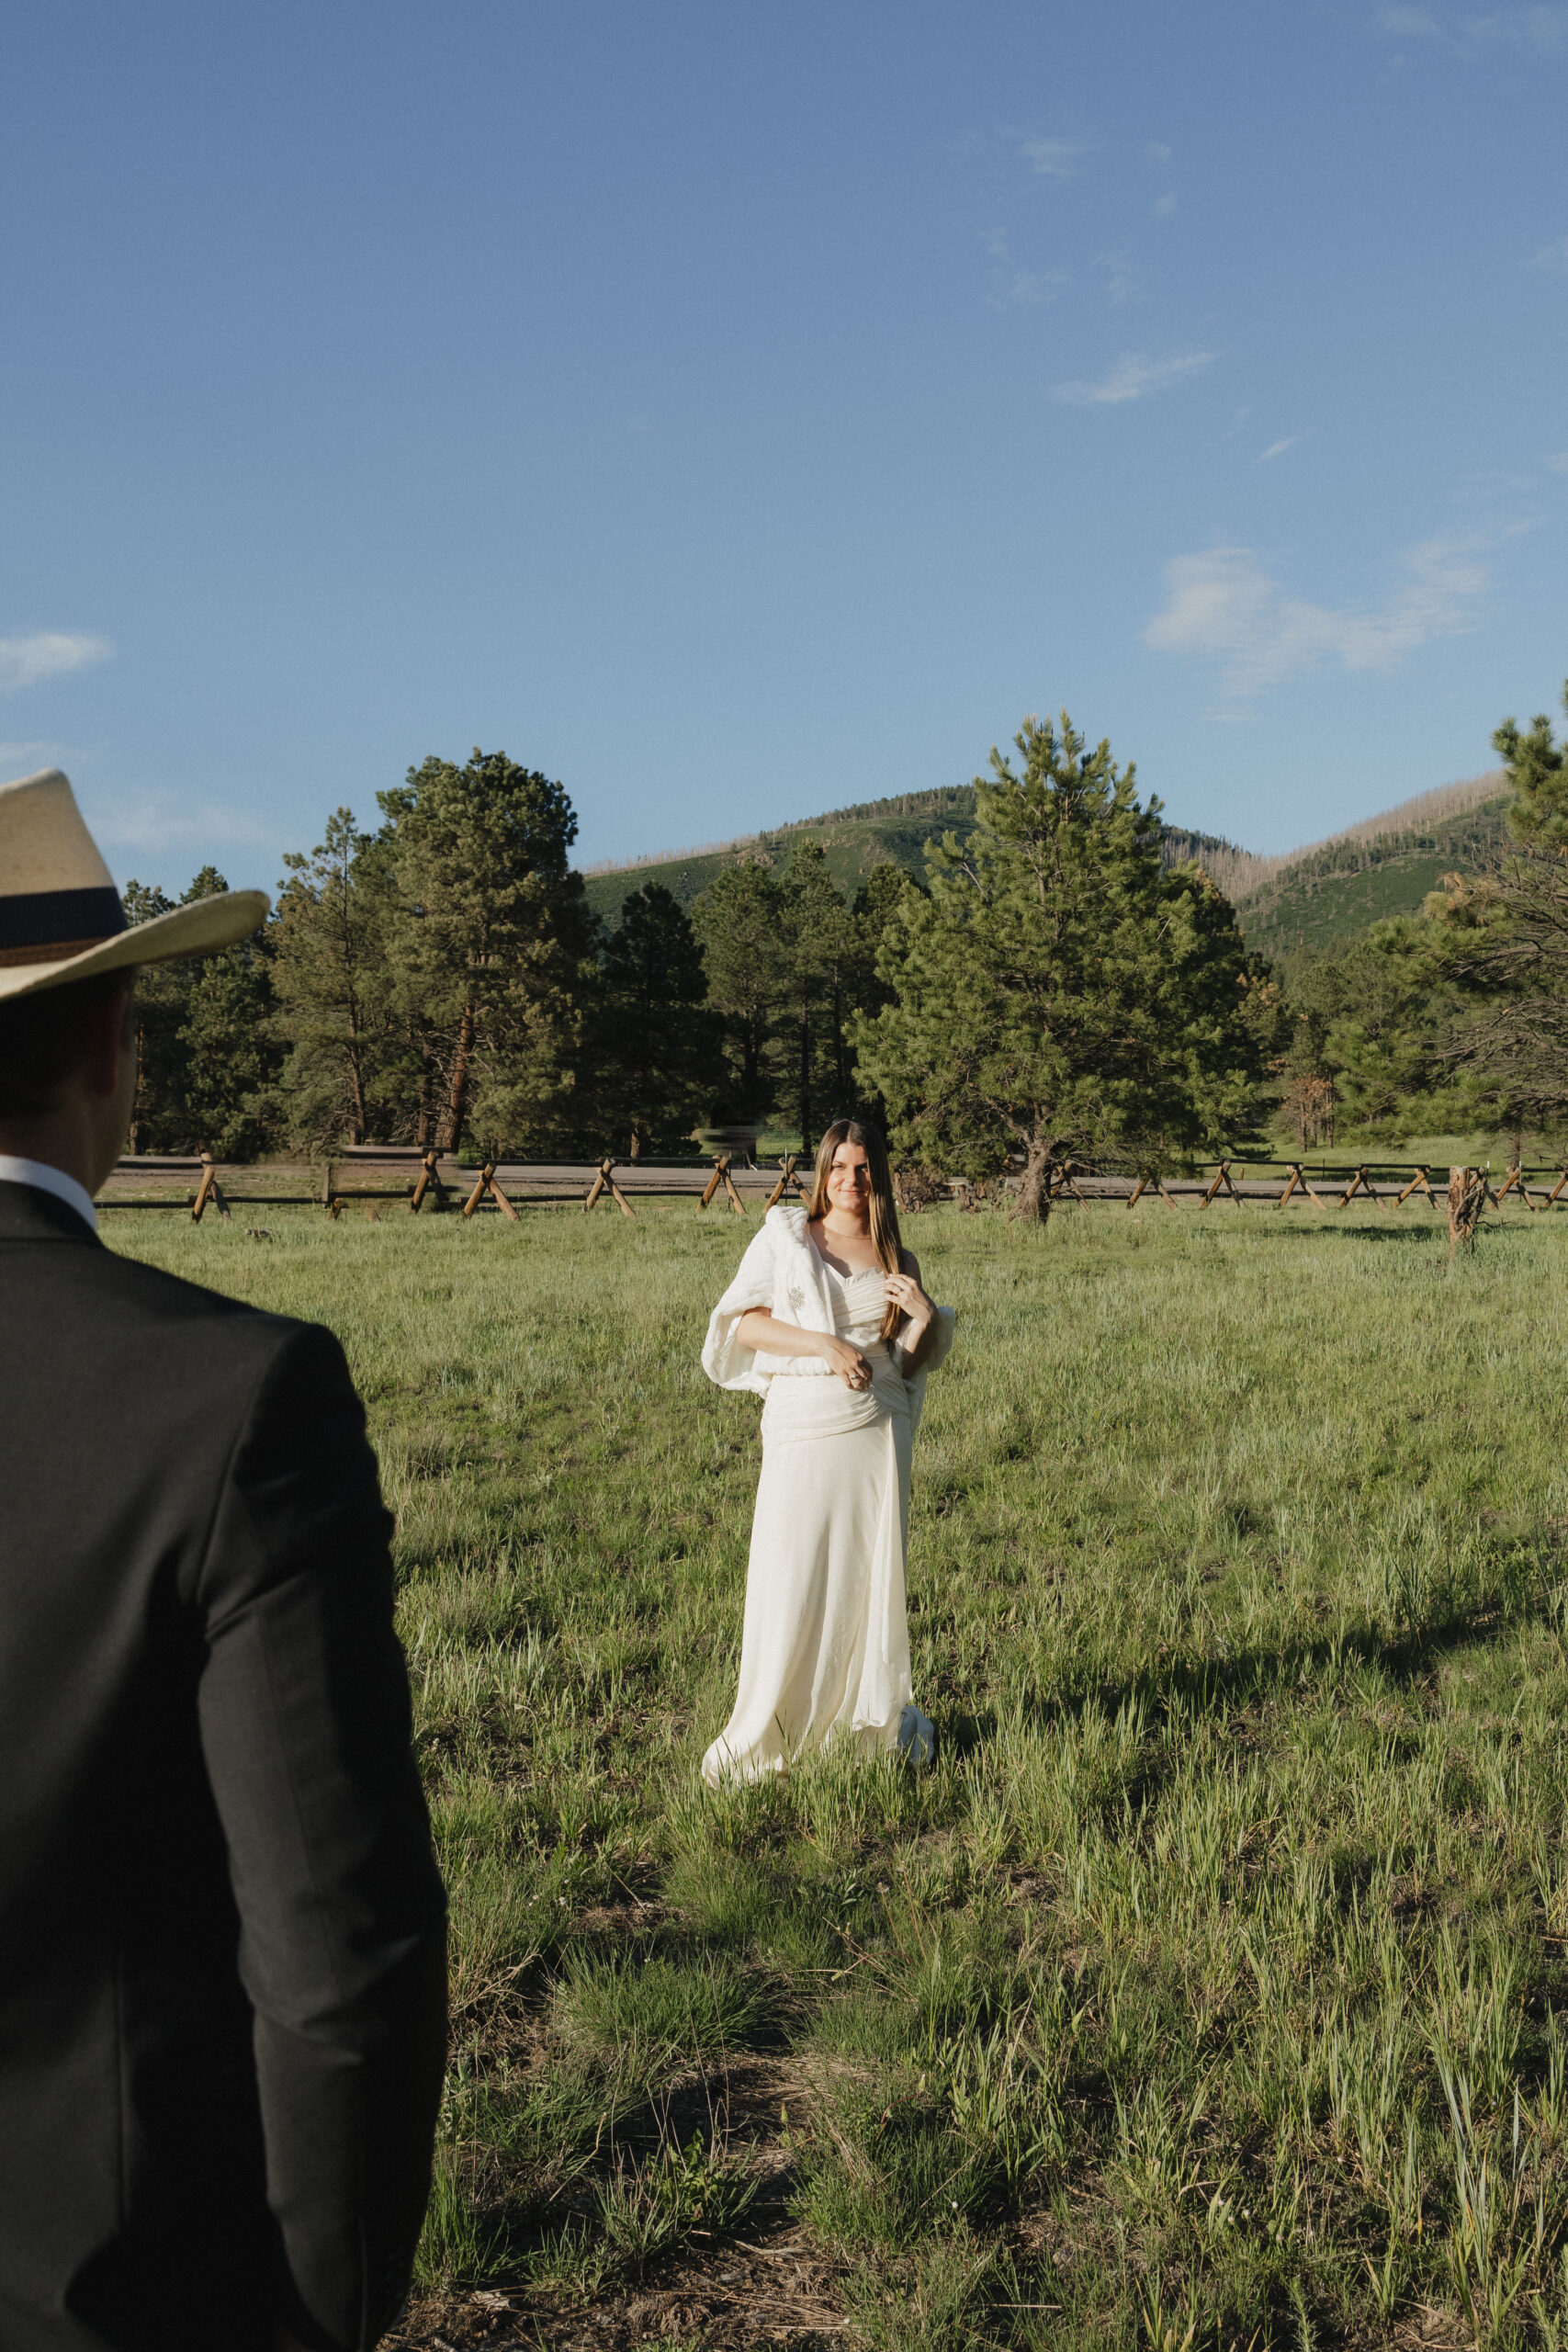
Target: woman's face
(849, 1179)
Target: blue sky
(739, 410)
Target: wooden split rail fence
(1384, 1183)
(374, 1175)
(391, 1175)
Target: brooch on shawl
(795, 1296)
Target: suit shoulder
(228, 1326)
(173, 1295)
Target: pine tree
(207, 1057)
(491, 945)
(1060, 992)
(1538, 772)
(233, 1055)
(1371, 1022)
(655, 1060)
(1505, 945)
(347, 1072)
(819, 946)
(875, 902)
(160, 994)
(739, 922)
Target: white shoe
(917, 1737)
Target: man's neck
(62, 1139)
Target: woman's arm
(905, 1291)
(757, 1329)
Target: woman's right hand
(848, 1362)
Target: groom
(221, 1931)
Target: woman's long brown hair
(884, 1235)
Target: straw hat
(60, 918)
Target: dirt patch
(756, 2292)
(768, 2287)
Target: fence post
(787, 1178)
(487, 1183)
(605, 1181)
(205, 1189)
(1360, 1182)
(1515, 1177)
(428, 1176)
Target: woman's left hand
(910, 1299)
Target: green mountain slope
(1317, 898)
(855, 839)
(1327, 895)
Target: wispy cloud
(1011, 284)
(1054, 159)
(1553, 256)
(26, 759)
(1224, 607)
(149, 822)
(1278, 448)
(1157, 152)
(47, 653)
(1531, 27)
(1131, 378)
(1558, 464)
(1165, 206)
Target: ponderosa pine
(492, 941)
(1060, 992)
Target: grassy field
(1205, 1993)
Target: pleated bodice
(860, 1302)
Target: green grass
(1211, 1981)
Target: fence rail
(1384, 1183)
(419, 1180)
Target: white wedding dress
(825, 1651)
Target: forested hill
(855, 839)
(1309, 897)
(1385, 866)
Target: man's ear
(111, 1034)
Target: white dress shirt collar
(45, 1178)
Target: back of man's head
(46, 1039)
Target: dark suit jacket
(221, 1931)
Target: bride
(826, 1321)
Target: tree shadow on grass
(1432, 1234)
(1224, 1686)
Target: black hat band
(46, 926)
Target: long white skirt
(825, 1653)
